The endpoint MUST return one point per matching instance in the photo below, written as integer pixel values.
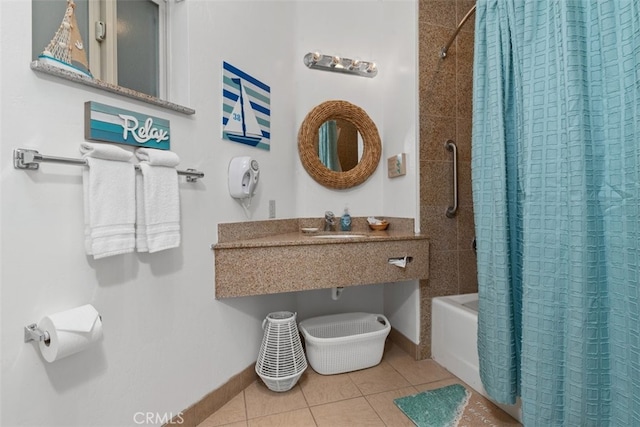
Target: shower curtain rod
(443, 51)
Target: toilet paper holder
(33, 333)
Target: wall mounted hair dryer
(244, 174)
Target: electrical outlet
(272, 208)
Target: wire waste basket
(281, 360)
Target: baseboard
(405, 343)
(200, 411)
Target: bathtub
(454, 328)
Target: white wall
(167, 341)
(386, 33)
(348, 29)
(401, 195)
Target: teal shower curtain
(328, 145)
(556, 192)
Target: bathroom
(167, 341)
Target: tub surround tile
(434, 131)
(436, 184)
(464, 86)
(466, 228)
(468, 276)
(431, 40)
(462, 7)
(444, 273)
(445, 94)
(463, 139)
(464, 51)
(439, 89)
(465, 193)
(443, 231)
(438, 12)
(425, 320)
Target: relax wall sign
(110, 124)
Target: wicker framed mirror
(308, 141)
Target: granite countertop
(288, 232)
(299, 238)
(256, 257)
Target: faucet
(329, 221)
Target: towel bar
(24, 158)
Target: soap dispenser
(345, 220)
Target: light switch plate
(397, 165)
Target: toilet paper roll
(69, 332)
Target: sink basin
(338, 236)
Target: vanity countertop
(298, 238)
(273, 256)
(278, 232)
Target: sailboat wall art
(246, 108)
(66, 48)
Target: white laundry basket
(344, 342)
(281, 360)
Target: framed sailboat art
(246, 111)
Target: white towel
(109, 200)
(157, 201)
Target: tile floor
(360, 398)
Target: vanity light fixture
(343, 65)
(372, 68)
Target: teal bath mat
(442, 407)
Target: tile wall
(445, 113)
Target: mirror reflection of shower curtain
(328, 145)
